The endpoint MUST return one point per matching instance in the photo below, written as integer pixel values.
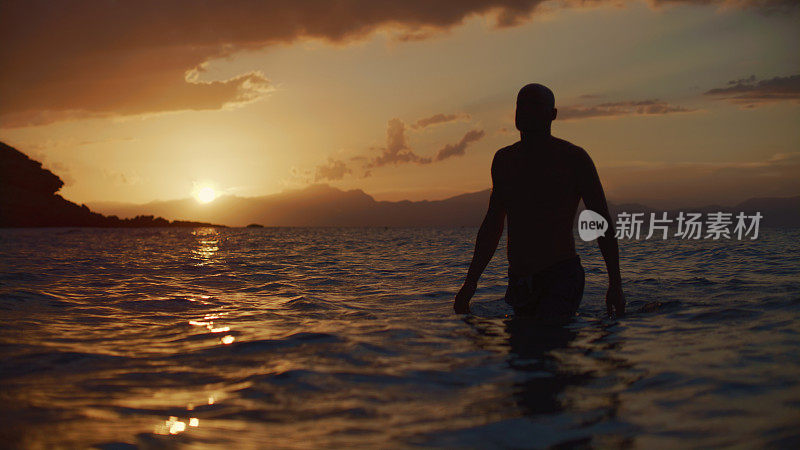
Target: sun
(205, 194)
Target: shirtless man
(538, 182)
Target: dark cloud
(333, 170)
(440, 118)
(751, 92)
(616, 109)
(97, 58)
(61, 59)
(397, 151)
(459, 147)
(124, 97)
(765, 6)
(414, 36)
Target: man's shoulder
(502, 155)
(577, 153)
(568, 146)
(562, 145)
(506, 150)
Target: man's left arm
(594, 198)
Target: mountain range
(324, 205)
(29, 198)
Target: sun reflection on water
(207, 243)
(208, 323)
(209, 326)
(175, 426)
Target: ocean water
(345, 337)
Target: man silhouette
(537, 182)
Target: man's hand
(461, 303)
(615, 301)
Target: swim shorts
(552, 294)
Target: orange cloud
(150, 95)
(335, 169)
(64, 60)
(96, 58)
(750, 92)
(459, 147)
(397, 151)
(438, 119)
(616, 109)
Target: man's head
(535, 109)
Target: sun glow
(205, 194)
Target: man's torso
(538, 186)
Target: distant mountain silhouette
(28, 198)
(317, 205)
(323, 205)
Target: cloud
(136, 57)
(438, 119)
(750, 92)
(106, 58)
(459, 147)
(617, 109)
(66, 142)
(298, 175)
(333, 170)
(397, 149)
(111, 96)
(765, 6)
(122, 179)
(414, 36)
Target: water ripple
(344, 337)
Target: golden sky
(678, 102)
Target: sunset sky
(678, 102)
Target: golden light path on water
(208, 238)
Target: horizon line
(639, 202)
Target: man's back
(538, 184)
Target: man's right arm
(489, 235)
(594, 198)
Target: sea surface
(345, 337)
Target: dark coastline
(29, 198)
